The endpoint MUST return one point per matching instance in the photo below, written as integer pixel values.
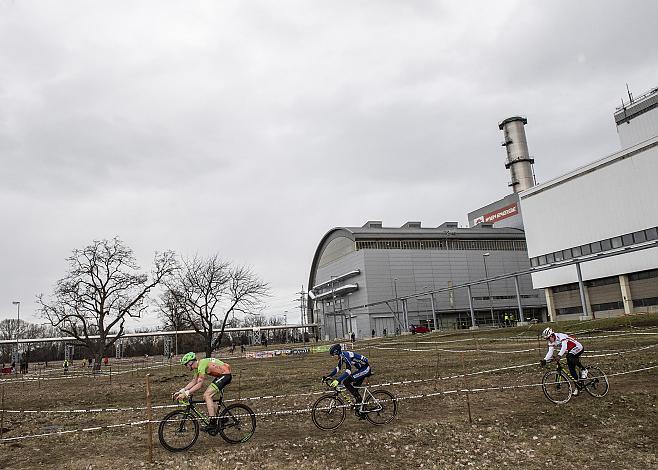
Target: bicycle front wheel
(596, 382)
(557, 387)
(237, 423)
(178, 431)
(380, 407)
(328, 412)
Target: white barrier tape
(269, 397)
(457, 350)
(78, 376)
(612, 351)
(307, 410)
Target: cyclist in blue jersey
(350, 360)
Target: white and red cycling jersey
(566, 344)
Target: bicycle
(378, 407)
(179, 430)
(558, 384)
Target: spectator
(66, 365)
(106, 360)
(373, 332)
(384, 332)
(352, 336)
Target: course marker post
(468, 400)
(239, 376)
(2, 418)
(149, 416)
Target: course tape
(79, 375)
(611, 351)
(307, 409)
(308, 394)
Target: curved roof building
(360, 277)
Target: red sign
(497, 215)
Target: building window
(565, 288)
(606, 245)
(569, 310)
(542, 260)
(608, 306)
(652, 233)
(566, 254)
(586, 249)
(645, 302)
(550, 258)
(577, 251)
(616, 242)
(627, 239)
(596, 247)
(604, 281)
(640, 236)
(558, 256)
(651, 273)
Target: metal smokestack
(518, 160)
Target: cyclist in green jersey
(218, 370)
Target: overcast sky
(250, 128)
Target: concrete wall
(608, 198)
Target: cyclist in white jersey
(567, 345)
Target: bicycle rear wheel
(557, 387)
(178, 431)
(596, 383)
(328, 412)
(380, 407)
(237, 423)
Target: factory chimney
(518, 160)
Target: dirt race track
(515, 427)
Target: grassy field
(513, 427)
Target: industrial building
(506, 212)
(356, 267)
(607, 206)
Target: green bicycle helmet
(190, 356)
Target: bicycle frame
(190, 408)
(341, 390)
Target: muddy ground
(512, 427)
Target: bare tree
(102, 287)
(210, 290)
(172, 313)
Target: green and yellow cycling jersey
(209, 366)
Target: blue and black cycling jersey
(349, 360)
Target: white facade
(611, 197)
(637, 120)
(642, 128)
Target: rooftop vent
(449, 225)
(411, 225)
(373, 224)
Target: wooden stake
(110, 367)
(468, 400)
(239, 376)
(149, 416)
(2, 418)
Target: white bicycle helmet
(547, 333)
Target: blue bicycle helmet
(335, 350)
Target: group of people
(355, 369)
(219, 373)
